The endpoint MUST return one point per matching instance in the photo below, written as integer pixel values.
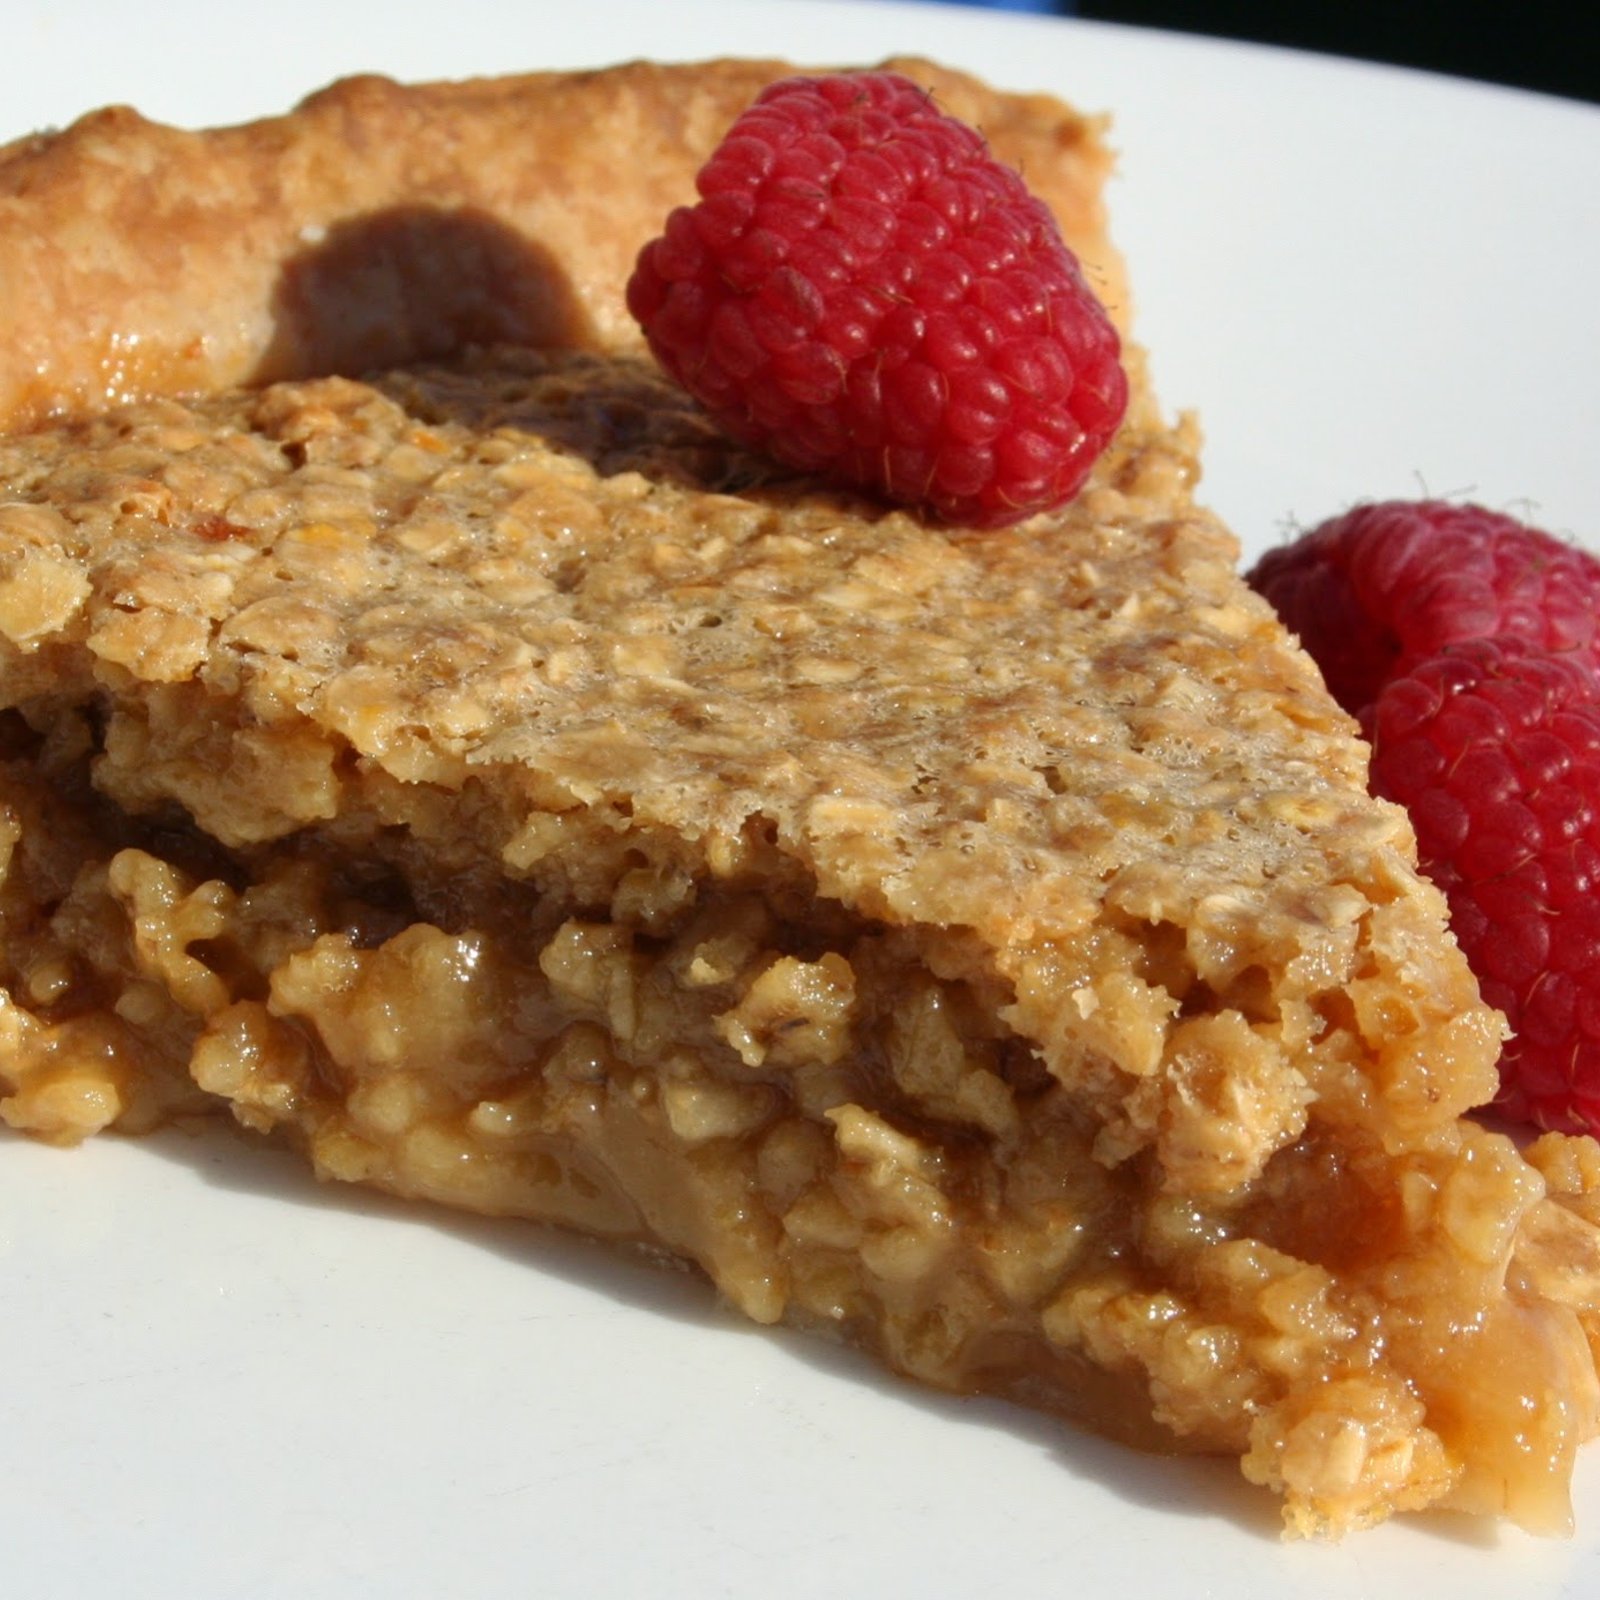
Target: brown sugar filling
(1023, 1033)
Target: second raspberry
(863, 291)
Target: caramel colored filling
(985, 950)
(823, 1113)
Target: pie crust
(482, 774)
(379, 224)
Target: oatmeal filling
(517, 797)
(803, 1103)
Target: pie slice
(484, 775)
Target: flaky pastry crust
(379, 223)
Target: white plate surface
(219, 1380)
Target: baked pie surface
(980, 946)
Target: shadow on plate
(1191, 1487)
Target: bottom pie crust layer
(981, 949)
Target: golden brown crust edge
(379, 223)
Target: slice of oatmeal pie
(487, 777)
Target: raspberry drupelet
(1468, 644)
(863, 291)
(1493, 746)
(1390, 582)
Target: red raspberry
(1381, 587)
(863, 291)
(1494, 748)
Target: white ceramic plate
(219, 1380)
